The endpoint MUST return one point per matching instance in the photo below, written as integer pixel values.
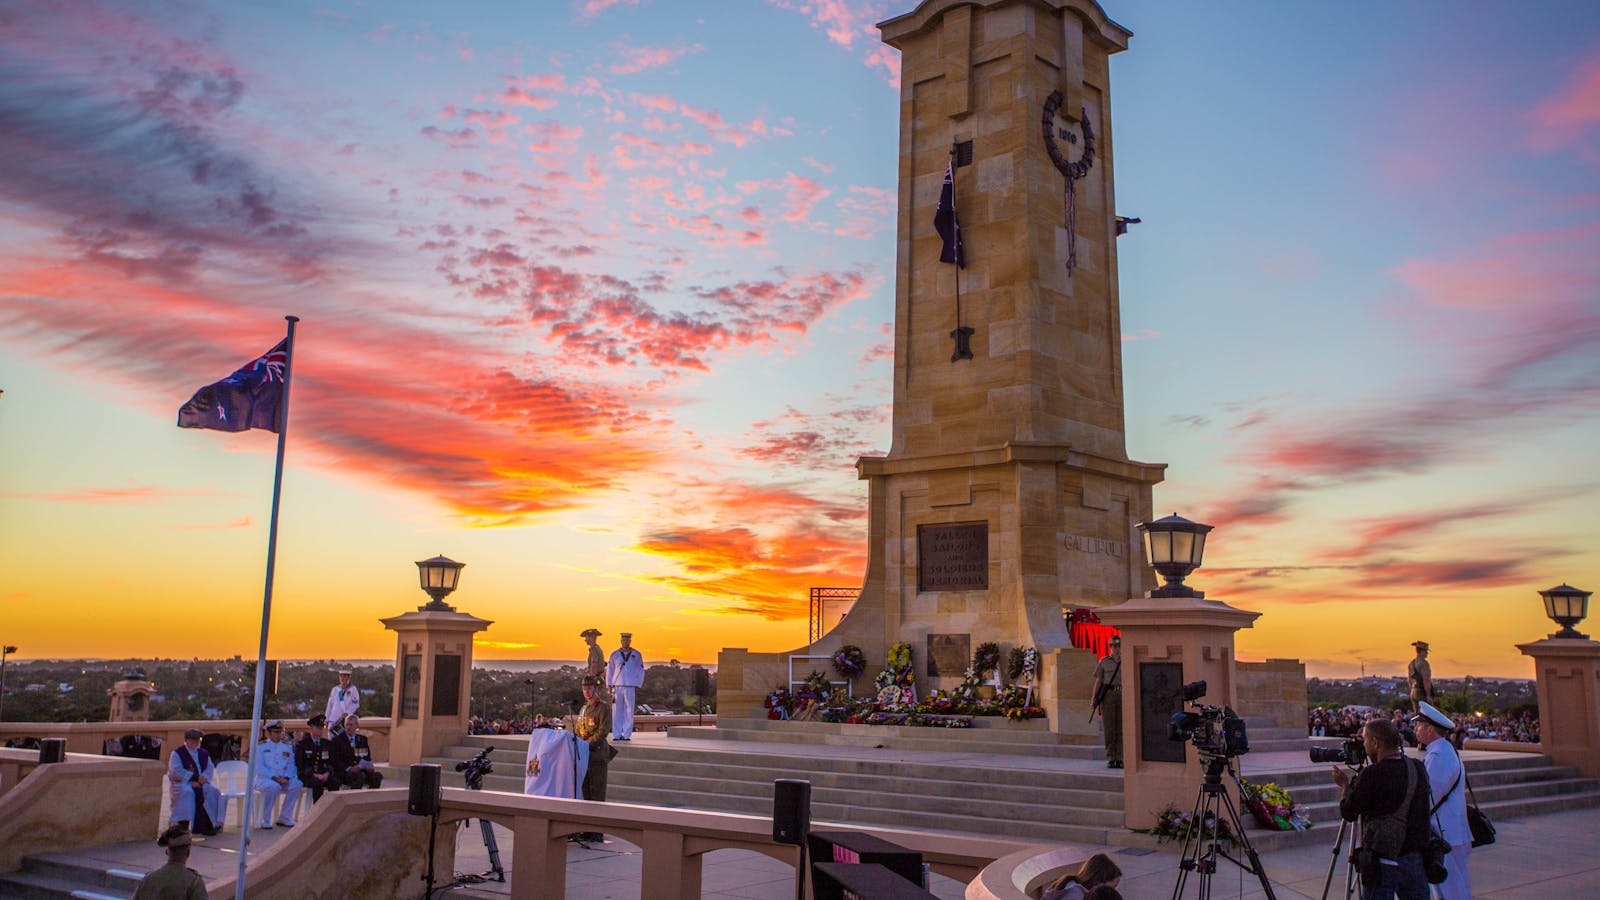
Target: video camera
(1352, 753)
(475, 768)
(1214, 730)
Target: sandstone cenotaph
(1007, 493)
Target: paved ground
(1544, 857)
(1538, 858)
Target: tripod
(1350, 879)
(1200, 852)
(474, 778)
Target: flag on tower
(945, 222)
(249, 398)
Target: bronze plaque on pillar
(953, 557)
(949, 654)
(410, 685)
(1160, 695)
(447, 684)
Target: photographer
(1391, 799)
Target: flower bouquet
(1173, 824)
(1272, 806)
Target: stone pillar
(1568, 673)
(1167, 643)
(432, 682)
(130, 700)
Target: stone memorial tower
(130, 698)
(1007, 493)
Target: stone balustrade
(337, 840)
(90, 737)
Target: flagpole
(266, 616)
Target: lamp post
(1566, 606)
(439, 576)
(5, 651)
(1175, 546)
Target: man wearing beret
(1447, 777)
(194, 798)
(175, 880)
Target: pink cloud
(588, 9)
(637, 59)
(1560, 119)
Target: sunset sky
(596, 297)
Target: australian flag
(945, 222)
(249, 398)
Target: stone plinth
(432, 682)
(1568, 672)
(130, 700)
(1198, 635)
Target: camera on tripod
(475, 768)
(1352, 753)
(1214, 730)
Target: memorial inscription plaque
(447, 684)
(410, 685)
(1160, 695)
(953, 557)
(949, 654)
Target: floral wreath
(986, 658)
(849, 661)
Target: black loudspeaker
(791, 810)
(699, 682)
(272, 678)
(53, 750)
(424, 797)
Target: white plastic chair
(230, 781)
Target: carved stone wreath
(1074, 170)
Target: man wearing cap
(1447, 778)
(593, 725)
(1107, 697)
(175, 880)
(597, 657)
(624, 675)
(343, 700)
(275, 777)
(1420, 675)
(313, 759)
(194, 798)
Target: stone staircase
(1507, 786)
(51, 876)
(1031, 738)
(992, 783)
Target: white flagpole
(266, 616)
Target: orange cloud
(1564, 117)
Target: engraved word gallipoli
(953, 557)
(1096, 545)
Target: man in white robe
(557, 762)
(276, 778)
(194, 798)
(1447, 780)
(624, 675)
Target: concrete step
(29, 884)
(940, 741)
(1104, 809)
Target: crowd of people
(518, 725)
(1347, 722)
